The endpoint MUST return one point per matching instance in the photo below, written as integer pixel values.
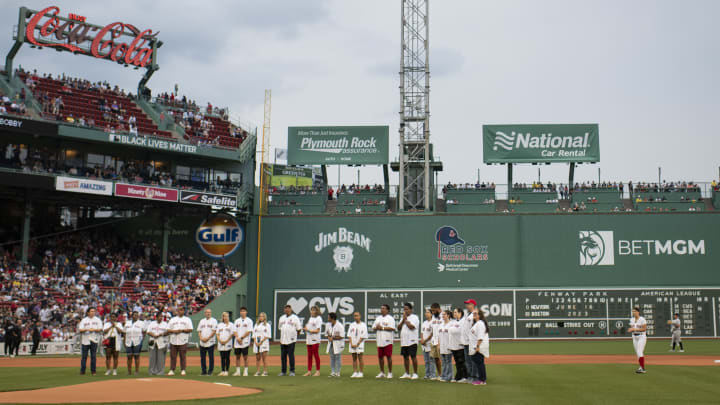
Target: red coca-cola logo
(104, 44)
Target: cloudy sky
(648, 71)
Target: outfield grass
(507, 384)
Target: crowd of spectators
(69, 274)
(355, 189)
(14, 105)
(43, 160)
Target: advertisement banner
(291, 176)
(338, 145)
(47, 348)
(11, 123)
(86, 186)
(208, 199)
(152, 143)
(343, 302)
(146, 192)
(541, 143)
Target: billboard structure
(541, 143)
(349, 145)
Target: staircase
(501, 205)
(564, 205)
(628, 204)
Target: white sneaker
(389, 375)
(671, 350)
(360, 375)
(404, 376)
(381, 375)
(237, 373)
(114, 372)
(182, 372)
(245, 373)
(414, 377)
(171, 372)
(682, 350)
(354, 375)
(107, 372)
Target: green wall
(522, 251)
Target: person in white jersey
(243, 330)
(312, 334)
(134, 335)
(261, 343)
(90, 330)
(336, 337)
(224, 333)
(357, 333)
(426, 343)
(289, 325)
(157, 344)
(112, 334)
(456, 346)
(206, 329)
(409, 325)
(384, 327)
(179, 328)
(435, 342)
(479, 345)
(638, 328)
(444, 346)
(467, 323)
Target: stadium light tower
(414, 190)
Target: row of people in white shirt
(91, 330)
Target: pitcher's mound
(126, 390)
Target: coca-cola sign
(45, 28)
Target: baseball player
(179, 328)
(224, 333)
(206, 329)
(336, 337)
(289, 325)
(676, 331)
(357, 333)
(409, 325)
(243, 330)
(638, 326)
(426, 343)
(112, 332)
(90, 329)
(312, 333)
(261, 343)
(134, 334)
(384, 326)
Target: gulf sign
(219, 236)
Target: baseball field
(552, 372)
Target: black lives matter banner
(530, 313)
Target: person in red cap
(467, 323)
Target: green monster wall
(595, 250)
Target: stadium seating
(601, 200)
(365, 202)
(470, 200)
(668, 201)
(220, 129)
(293, 203)
(526, 201)
(86, 103)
